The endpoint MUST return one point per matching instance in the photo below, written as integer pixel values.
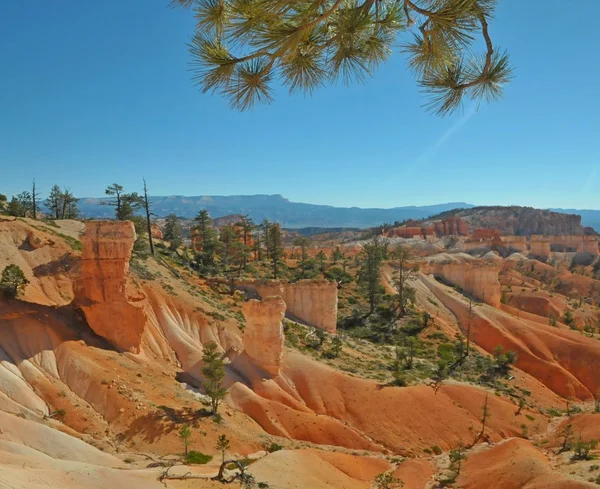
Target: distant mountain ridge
(275, 208)
(296, 215)
(520, 220)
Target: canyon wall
(100, 291)
(313, 302)
(518, 243)
(541, 245)
(263, 335)
(477, 278)
(523, 221)
(451, 226)
(494, 241)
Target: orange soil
(307, 400)
(561, 359)
(514, 464)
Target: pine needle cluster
(240, 48)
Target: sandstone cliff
(100, 291)
(522, 221)
(476, 277)
(313, 302)
(263, 336)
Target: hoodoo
(314, 302)
(263, 336)
(100, 291)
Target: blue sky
(98, 92)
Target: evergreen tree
(22, 206)
(115, 190)
(55, 202)
(241, 47)
(223, 445)
(337, 255)
(70, 210)
(173, 232)
(15, 208)
(227, 237)
(258, 246)
(369, 275)
(322, 258)
(304, 263)
(207, 239)
(404, 273)
(130, 204)
(185, 433)
(247, 226)
(275, 248)
(265, 226)
(214, 373)
(13, 280)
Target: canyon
(101, 362)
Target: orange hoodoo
(100, 292)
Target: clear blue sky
(94, 92)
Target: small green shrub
(274, 447)
(199, 458)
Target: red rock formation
(428, 231)
(478, 278)
(37, 241)
(518, 243)
(590, 244)
(263, 335)
(156, 232)
(451, 226)
(313, 302)
(486, 233)
(406, 232)
(540, 246)
(100, 292)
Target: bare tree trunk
(219, 476)
(147, 207)
(34, 199)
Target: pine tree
(240, 47)
(214, 373)
(247, 227)
(125, 204)
(206, 238)
(69, 209)
(173, 232)
(404, 273)
(275, 248)
(265, 226)
(185, 433)
(369, 275)
(258, 246)
(304, 264)
(55, 202)
(337, 255)
(322, 258)
(223, 445)
(115, 190)
(15, 208)
(20, 205)
(13, 280)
